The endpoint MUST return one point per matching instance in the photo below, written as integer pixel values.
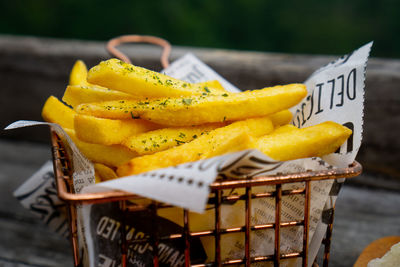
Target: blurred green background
(308, 27)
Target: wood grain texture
(362, 216)
(31, 69)
(38, 67)
(24, 239)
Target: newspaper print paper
(39, 195)
(83, 176)
(191, 69)
(138, 184)
(336, 93)
(83, 169)
(291, 238)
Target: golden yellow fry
(78, 74)
(313, 141)
(109, 155)
(55, 111)
(104, 172)
(78, 94)
(233, 137)
(162, 139)
(87, 93)
(201, 110)
(80, 91)
(141, 82)
(281, 118)
(178, 155)
(109, 132)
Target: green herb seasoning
(164, 103)
(186, 101)
(179, 142)
(134, 117)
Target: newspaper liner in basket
(336, 92)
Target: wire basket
(63, 176)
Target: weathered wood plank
(24, 239)
(33, 244)
(15, 263)
(362, 216)
(18, 161)
(31, 69)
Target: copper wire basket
(63, 176)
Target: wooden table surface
(363, 214)
(33, 67)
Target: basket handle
(111, 46)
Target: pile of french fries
(129, 120)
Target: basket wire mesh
(63, 176)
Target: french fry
(104, 172)
(200, 110)
(281, 118)
(80, 91)
(231, 138)
(162, 139)
(137, 81)
(313, 141)
(109, 155)
(87, 93)
(78, 74)
(78, 94)
(55, 111)
(109, 132)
